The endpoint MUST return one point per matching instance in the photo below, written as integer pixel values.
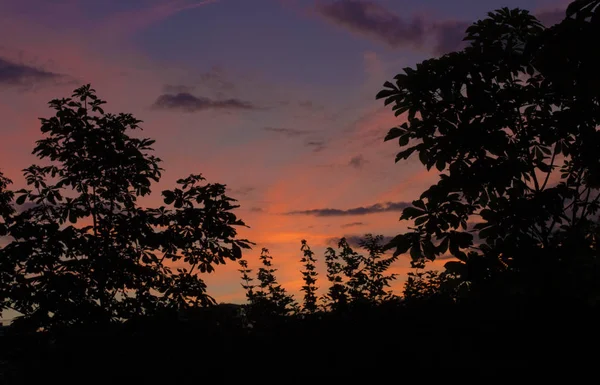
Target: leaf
(423, 157)
(169, 197)
(404, 139)
(411, 212)
(72, 216)
(21, 199)
(415, 252)
(394, 133)
(236, 251)
(443, 246)
(405, 154)
(440, 164)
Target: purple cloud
(372, 19)
(14, 74)
(189, 103)
(373, 209)
(377, 22)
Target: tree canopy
(510, 122)
(82, 250)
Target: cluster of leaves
(510, 122)
(82, 250)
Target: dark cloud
(353, 224)
(370, 18)
(377, 22)
(289, 132)
(189, 103)
(14, 74)
(316, 145)
(257, 210)
(357, 161)
(373, 209)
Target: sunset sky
(275, 98)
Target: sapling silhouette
(270, 298)
(375, 266)
(336, 298)
(247, 280)
(355, 277)
(309, 275)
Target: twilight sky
(275, 98)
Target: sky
(274, 98)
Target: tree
(510, 124)
(247, 280)
(270, 298)
(355, 277)
(376, 266)
(83, 251)
(336, 298)
(309, 275)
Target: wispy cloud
(353, 224)
(357, 161)
(130, 22)
(243, 190)
(289, 132)
(371, 19)
(373, 209)
(216, 80)
(187, 102)
(316, 145)
(15, 74)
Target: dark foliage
(83, 251)
(511, 125)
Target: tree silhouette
(309, 275)
(376, 282)
(355, 277)
(83, 250)
(336, 298)
(514, 137)
(270, 298)
(247, 280)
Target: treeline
(353, 280)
